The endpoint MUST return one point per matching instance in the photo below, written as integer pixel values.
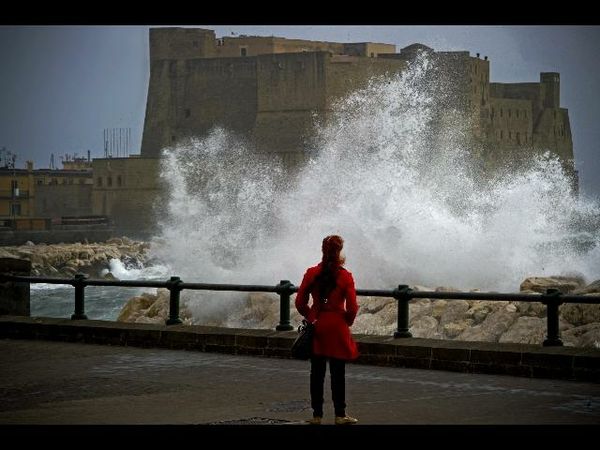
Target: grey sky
(61, 86)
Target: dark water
(101, 302)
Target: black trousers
(337, 370)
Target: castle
(269, 89)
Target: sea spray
(392, 170)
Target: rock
(425, 327)
(109, 276)
(29, 243)
(453, 329)
(419, 307)
(525, 330)
(455, 311)
(132, 309)
(541, 284)
(580, 313)
(372, 305)
(438, 308)
(592, 288)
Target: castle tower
(551, 89)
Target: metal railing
(552, 298)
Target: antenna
(52, 161)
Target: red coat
(334, 318)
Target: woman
(333, 310)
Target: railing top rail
(290, 288)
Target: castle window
(501, 112)
(492, 113)
(517, 111)
(195, 43)
(518, 137)
(39, 181)
(187, 113)
(220, 42)
(509, 113)
(119, 181)
(15, 209)
(372, 55)
(501, 133)
(243, 51)
(525, 113)
(99, 181)
(510, 135)
(109, 181)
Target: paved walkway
(48, 383)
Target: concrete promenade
(63, 383)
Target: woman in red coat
(333, 311)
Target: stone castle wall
(271, 90)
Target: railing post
(402, 295)
(174, 289)
(79, 284)
(552, 301)
(284, 289)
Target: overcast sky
(61, 86)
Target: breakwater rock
(466, 320)
(64, 260)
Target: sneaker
(314, 421)
(345, 420)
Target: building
(269, 90)
(127, 190)
(44, 193)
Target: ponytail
(330, 264)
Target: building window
(525, 113)
(188, 113)
(109, 181)
(509, 113)
(518, 137)
(99, 181)
(195, 43)
(173, 138)
(372, 55)
(119, 181)
(81, 181)
(501, 112)
(510, 135)
(243, 51)
(15, 209)
(53, 181)
(517, 111)
(39, 181)
(501, 133)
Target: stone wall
(128, 190)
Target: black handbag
(302, 346)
